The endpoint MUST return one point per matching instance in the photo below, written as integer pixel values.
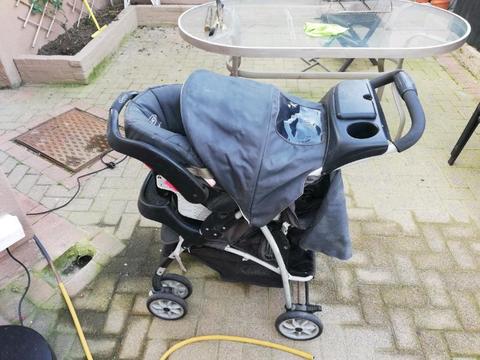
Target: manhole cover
(72, 140)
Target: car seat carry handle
(407, 90)
(192, 188)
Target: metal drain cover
(72, 140)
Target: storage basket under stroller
(247, 178)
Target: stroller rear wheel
(299, 325)
(167, 306)
(180, 285)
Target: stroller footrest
(301, 262)
(311, 308)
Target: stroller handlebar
(408, 92)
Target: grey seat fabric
(154, 117)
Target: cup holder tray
(357, 127)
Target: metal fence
(470, 10)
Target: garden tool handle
(407, 90)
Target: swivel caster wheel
(179, 285)
(299, 325)
(167, 306)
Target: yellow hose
(78, 327)
(66, 297)
(239, 339)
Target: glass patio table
(275, 29)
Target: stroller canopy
(259, 143)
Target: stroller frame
(167, 300)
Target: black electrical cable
(19, 310)
(108, 165)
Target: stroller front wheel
(179, 284)
(167, 306)
(299, 325)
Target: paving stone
(375, 276)
(467, 310)
(134, 284)
(102, 347)
(204, 351)
(179, 329)
(126, 226)
(8, 165)
(40, 290)
(26, 183)
(372, 305)
(463, 232)
(133, 341)
(98, 296)
(404, 296)
(58, 191)
(444, 319)
(380, 228)
(341, 314)
(107, 244)
(406, 270)
(85, 217)
(62, 344)
(404, 328)
(79, 204)
(461, 255)
(433, 344)
(463, 343)
(37, 192)
(462, 281)
(435, 288)
(132, 207)
(361, 214)
(91, 188)
(118, 313)
(155, 349)
(434, 261)
(373, 340)
(140, 306)
(359, 258)
(346, 285)
(114, 212)
(17, 174)
(44, 322)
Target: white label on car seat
(193, 211)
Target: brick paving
(411, 290)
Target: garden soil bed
(75, 38)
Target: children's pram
(259, 171)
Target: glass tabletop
(275, 28)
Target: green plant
(38, 5)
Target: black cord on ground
(108, 165)
(20, 317)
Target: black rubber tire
(301, 315)
(166, 297)
(158, 279)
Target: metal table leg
(234, 65)
(467, 133)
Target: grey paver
(118, 313)
(132, 343)
(404, 329)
